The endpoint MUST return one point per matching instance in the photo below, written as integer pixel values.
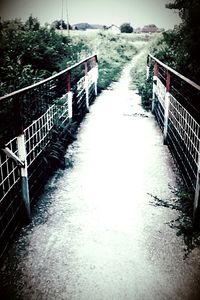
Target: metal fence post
(196, 210)
(155, 76)
(153, 96)
(148, 67)
(69, 95)
(167, 102)
(86, 86)
(95, 74)
(21, 147)
(24, 175)
(69, 99)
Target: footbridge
(94, 232)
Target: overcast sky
(137, 12)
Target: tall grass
(28, 56)
(113, 51)
(138, 72)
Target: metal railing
(176, 106)
(27, 119)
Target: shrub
(31, 53)
(126, 28)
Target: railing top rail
(47, 79)
(192, 83)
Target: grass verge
(183, 224)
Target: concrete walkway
(95, 235)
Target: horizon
(103, 12)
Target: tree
(60, 24)
(126, 28)
(189, 31)
(29, 55)
(32, 23)
(189, 11)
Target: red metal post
(168, 77)
(86, 67)
(68, 81)
(94, 61)
(156, 69)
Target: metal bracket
(13, 156)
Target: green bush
(30, 53)
(126, 28)
(163, 46)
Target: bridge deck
(94, 233)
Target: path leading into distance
(94, 234)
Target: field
(113, 51)
(28, 56)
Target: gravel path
(94, 233)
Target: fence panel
(183, 137)
(177, 110)
(33, 113)
(159, 110)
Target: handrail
(47, 79)
(27, 121)
(177, 110)
(19, 108)
(195, 85)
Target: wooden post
(167, 102)
(196, 210)
(69, 95)
(86, 86)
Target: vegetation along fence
(176, 106)
(27, 121)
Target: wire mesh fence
(181, 122)
(184, 136)
(9, 171)
(38, 134)
(34, 112)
